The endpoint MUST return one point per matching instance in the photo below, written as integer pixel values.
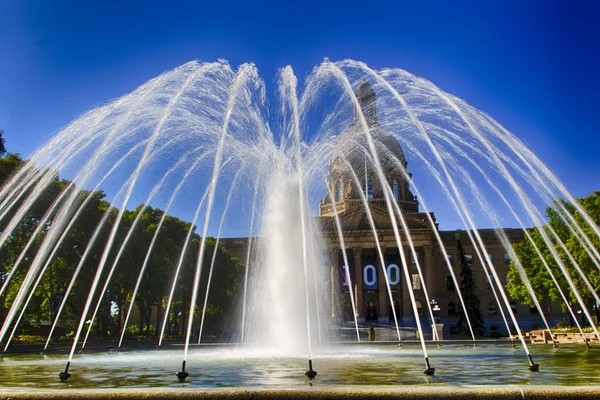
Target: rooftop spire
(366, 98)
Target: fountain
(203, 143)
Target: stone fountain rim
(398, 392)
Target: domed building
(352, 181)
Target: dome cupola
(352, 154)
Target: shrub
(132, 331)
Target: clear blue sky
(533, 65)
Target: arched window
(451, 309)
(368, 190)
(396, 189)
(492, 309)
(338, 191)
(419, 308)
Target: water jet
(333, 233)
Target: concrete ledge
(421, 392)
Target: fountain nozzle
(65, 374)
(181, 375)
(533, 366)
(311, 373)
(429, 370)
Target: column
(358, 281)
(428, 272)
(407, 310)
(384, 301)
(334, 263)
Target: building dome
(352, 145)
(352, 154)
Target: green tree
(8, 165)
(77, 247)
(467, 289)
(534, 267)
(2, 142)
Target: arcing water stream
(199, 138)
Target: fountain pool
(340, 366)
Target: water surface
(337, 366)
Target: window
(492, 309)
(419, 308)
(414, 256)
(450, 259)
(338, 191)
(491, 258)
(513, 306)
(450, 284)
(369, 188)
(451, 309)
(506, 258)
(416, 282)
(396, 190)
(488, 281)
(533, 310)
(469, 259)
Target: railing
(328, 208)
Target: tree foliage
(83, 246)
(467, 290)
(2, 143)
(8, 165)
(558, 231)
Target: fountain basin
(340, 367)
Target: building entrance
(371, 311)
(396, 308)
(348, 312)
